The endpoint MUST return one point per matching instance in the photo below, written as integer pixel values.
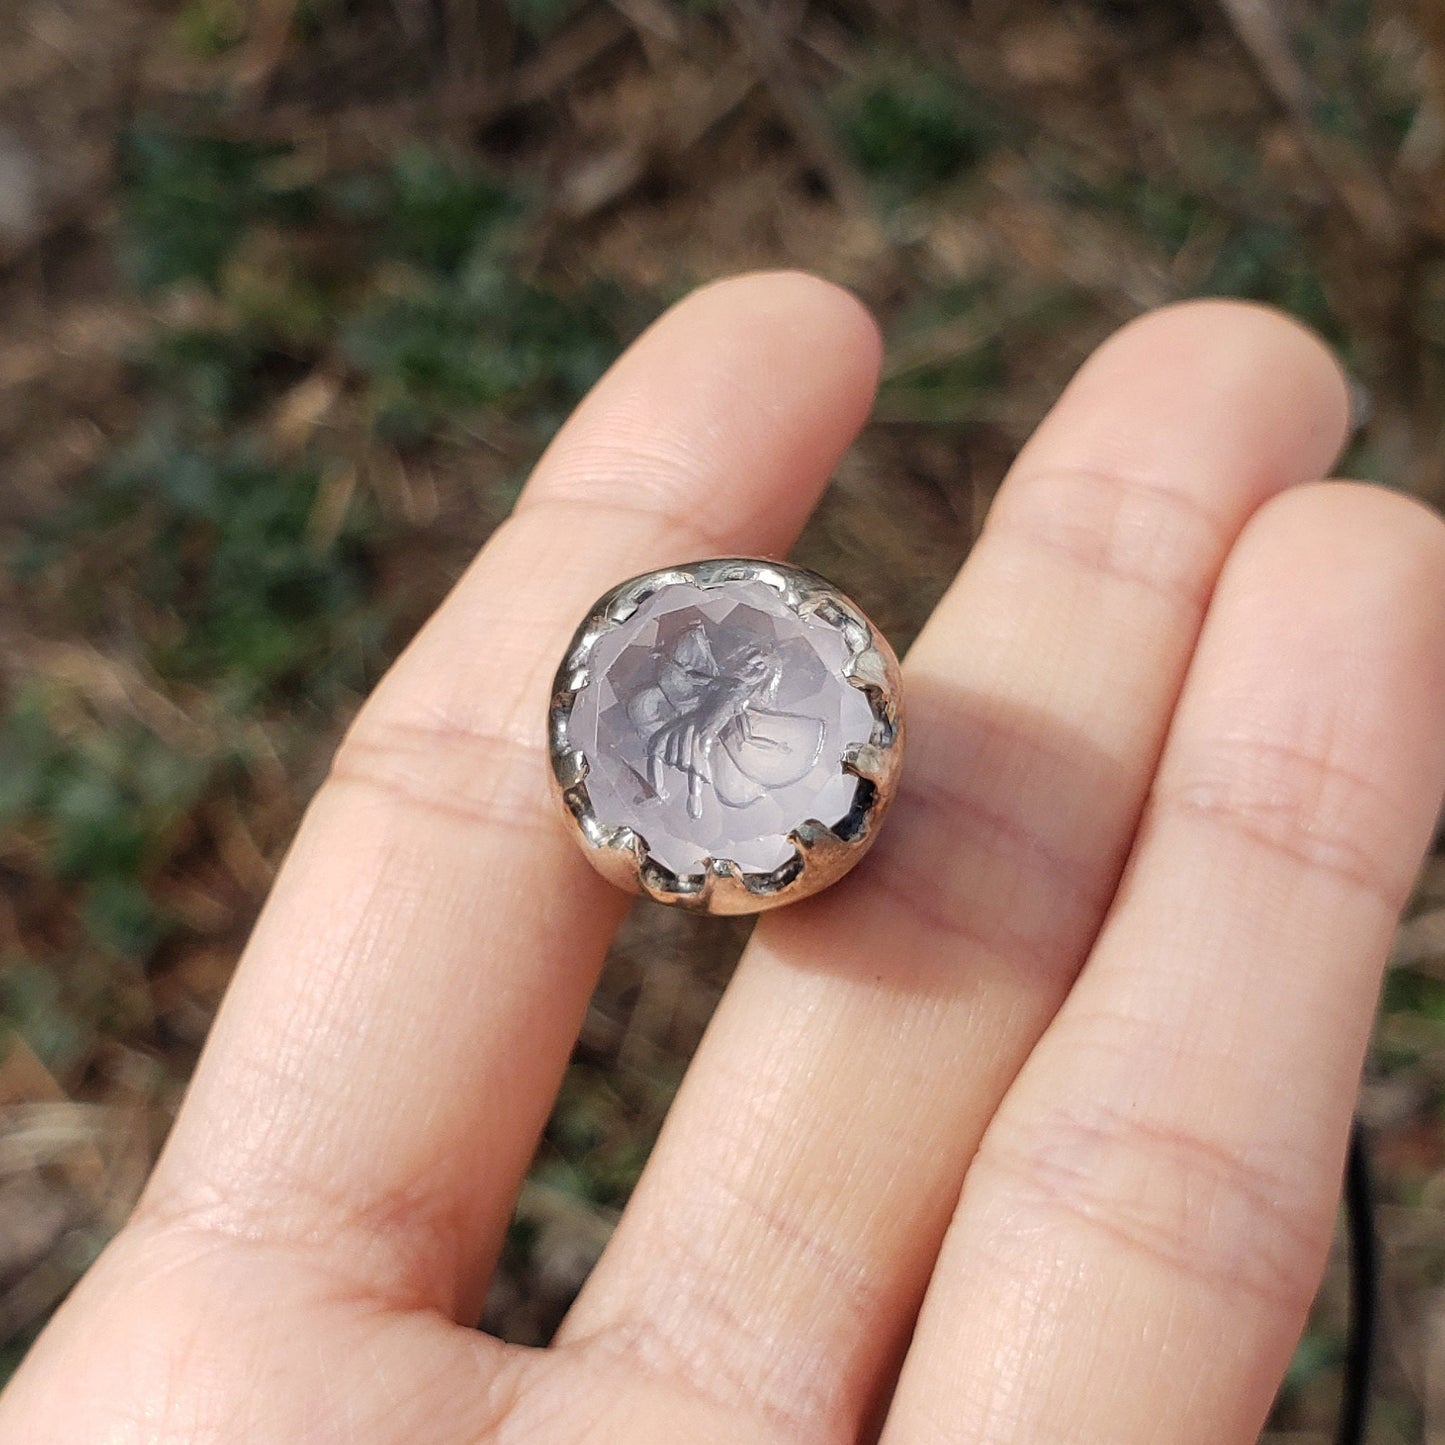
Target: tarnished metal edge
(821, 854)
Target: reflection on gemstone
(715, 721)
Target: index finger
(387, 1054)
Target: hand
(1067, 1065)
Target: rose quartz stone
(714, 722)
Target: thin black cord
(1363, 1325)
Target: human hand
(1068, 1062)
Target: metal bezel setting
(822, 854)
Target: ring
(726, 735)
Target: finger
(1144, 1226)
(805, 1179)
(388, 1052)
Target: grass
(235, 573)
(913, 128)
(357, 333)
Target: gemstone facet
(709, 720)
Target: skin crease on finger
(196, 1336)
(1187, 1196)
(892, 1013)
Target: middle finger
(792, 1211)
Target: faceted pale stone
(714, 722)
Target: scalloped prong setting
(726, 735)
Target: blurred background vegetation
(293, 291)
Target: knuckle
(797, 1394)
(1115, 526)
(986, 878)
(978, 848)
(399, 1245)
(1202, 1210)
(446, 770)
(641, 486)
(1300, 802)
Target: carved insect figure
(718, 726)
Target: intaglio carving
(726, 734)
(718, 724)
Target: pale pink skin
(1069, 1134)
